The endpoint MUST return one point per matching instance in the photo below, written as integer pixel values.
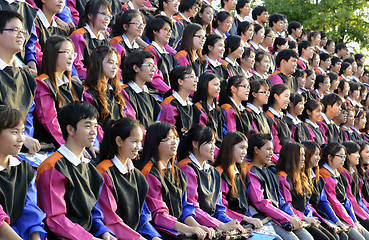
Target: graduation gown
(234, 70)
(236, 120)
(198, 66)
(278, 77)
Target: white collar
(216, 31)
(130, 4)
(123, 168)
(355, 130)
(303, 59)
(253, 108)
(44, 21)
(197, 163)
(254, 45)
(171, 18)
(184, 17)
(211, 62)
(235, 170)
(181, 101)
(319, 95)
(211, 106)
(259, 75)
(312, 175)
(240, 107)
(355, 79)
(321, 69)
(346, 128)
(126, 41)
(15, 63)
(137, 88)
(263, 48)
(290, 36)
(311, 123)
(294, 120)
(12, 1)
(169, 166)
(319, 48)
(246, 74)
(335, 173)
(63, 150)
(207, 2)
(234, 64)
(326, 119)
(93, 36)
(241, 18)
(161, 50)
(272, 110)
(62, 81)
(13, 161)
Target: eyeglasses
(190, 76)
(247, 87)
(139, 24)
(264, 92)
(149, 65)
(197, 8)
(70, 53)
(167, 30)
(341, 156)
(270, 36)
(106, 15)
(170, 139)
(16, 30)
(201, 37)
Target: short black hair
(137, 58)
(303, 45)
(275, 17)
(335, 60)
(358, 56)
(258, 11)
(293, 25)
(221, 17)
(184, 6)
(324, 56)
(285, 54)
(330, 100)
(155, 24)
(340, 46)
(241, 4)
(243, 27)
(6, 16)
(74, 112)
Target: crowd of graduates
(178, 118)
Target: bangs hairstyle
(135, 58)
(197, 19)
(352, 147)
(74, 112)
(198, 133)
(330, 100)
(95, 80)
(10, 117)
(225, 159)
(154, 135)
(241, 4)
(330, 149)
(310, 105)
(285, 54)
(255, 87)
(276, 89)
(92, 8)
(246, 54)
(176, 74)
(211, 40)
(290, 162)
(226, 89)
(221, 17)
(124, 18)
(278, 42)
(49, 61)
(6, 16)
(243, 27)
(202, 93)
(295, 98)
(155, 25)
(260, 56)
(258, 140)
(319, 80)
(116, 128)
(232, 43)
(187, 41)
(310, 148)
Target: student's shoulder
(184, 162)
(323, 172)
(42, 77)
(167, 100)
(49, 163)
(226, 106)
(147, 168)
(181, 53)
(79, 31)
(104, 165)
(116, 40)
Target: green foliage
(342, 20)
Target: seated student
(353, 95)
(308, 91)
(268, 41)
(139, 70)
(336, 65)
(205, 99)
(294, 30)
(359, 125)
(102, 86)
(261, 67)
(333, 78)
(279, 44)
(213, 51)
(321, 86)
(306, 51)
(338, 121)
(230, 7)
(346, 71)
(324, 64)
(205, 18)
(350, 171)
(128, 26)
(314, 37)
(278, 101)
(301, 80)
(169, 8)
(55, 88)
(189, 53)
(18, 189)
(187, 10)
(348, 124)
(204, 182)
(46, 26)
(318, 199)
(331, 109)
(264, 192)
(167, 195)
(314, 61)
(90, 35)
(260, 15)
(158, 31)
(299, 131)
(258, 96)
(177, 109)
(123, 195)
(73, 212)
(311, 115)
(232, 168)
(247, 61)
(359, 73)
(257, 37)
(329, 47)
(343, 90)
(17, 86)
(234, 48)
(245, 30)
(296, 189)
(232, 93)
(333, 155)
(223, 24)
(286, 63)
(276, 21)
